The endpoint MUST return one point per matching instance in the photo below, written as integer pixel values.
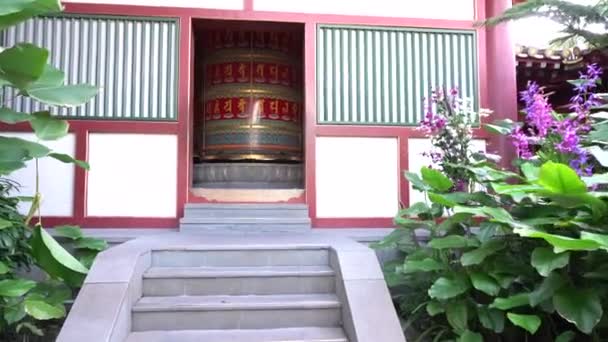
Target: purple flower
(538, 110)
(522, 143)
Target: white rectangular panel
(132, 175)
(357, 177)
(56, 179)
(429, 9)
(212, 4)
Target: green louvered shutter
(380, 76)
(132, 59)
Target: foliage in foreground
(580, 23)
(26, 303)
(519, 256)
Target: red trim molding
(368, 222)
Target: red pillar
(501, 85)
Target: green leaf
(477, 256)
(436, 179)
(596, 179)
(416, 181)
(470, 336)
(65, 158)
(63, 95)
(51, 76)
(507, 303)
(415, 210)
(530, 171)
(41, 310)
(22, 64)
(600, 239)
(561, 179)
(5, 224)
(48, 127)
(545, 260)
(560, 243)
(424, 265)
(14, 313)
(32, 9)
(453, 220)
(439, 199)
(9, 116)
(502, 127)
(487, 231)
(55, 260)
(582, 307)
(15, 287)
(4, 269)
(34, 150)
(70, 232)
(547, 288)
(434, 308)
(484, 283)
(453, 241)
(13, 6)
(566, 336)
(33, 329)
(491, 319)
(445, 288)
(529, 322)
(457, 315)
(91, 243)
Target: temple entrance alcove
(248, 117)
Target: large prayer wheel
(252, 96)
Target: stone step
(247, 256)
(247, 224)
(246, 210)
(309, 334)
(236, 312)
(265, 280)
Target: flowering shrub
(548, 136)
(448, 123)
(525, 260)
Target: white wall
(434, 9)
(56, 179)
(357, 177)
(416, 160)
(132, 175)
(219, 4)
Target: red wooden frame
(491, 67)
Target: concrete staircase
(244, 295)
(209, 217)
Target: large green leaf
(48, 127)
(91, 243)
(507, 303)
(32, 9)
(502, 127)
(9, 116)
(15, 287)
(484, 283)
(14, 313)
(445, 288)
(529, 322)
(530, 171)
(424, 265)
(14, 6)
(560, 243)
(582, 307)
(434, 308)
(22, 64)
(51, 76)
(547, 288)
(63, 95)
(42, 310)
(470, 336)
(4, 269)
(416, 181)
(566, 336)
(561, 179)
(545, 260)
(457, 315)
(55, 260)
(436, 179)
(34, 150)
(66, 158)
(70, 232)
(415, 210)
(478, 255)
(453, 241)
(5, 223)
(491, 319)
(600, 239)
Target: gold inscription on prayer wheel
(252, 96)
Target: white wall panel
(357, 177)
(416, 160)
(432, 9)
(56, 178)
(132, 175)
(219, 4)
